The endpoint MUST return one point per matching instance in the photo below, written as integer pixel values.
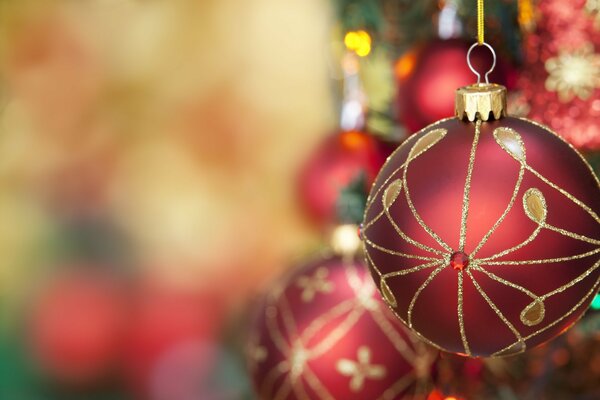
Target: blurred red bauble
(77, 325)
(428, 75)
(324, 333)
(163, 321)
(561, 75)
(336, 162)
(484, 237)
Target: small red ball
(77, 326)
(324, 333)
(485, 237)
(336, 162)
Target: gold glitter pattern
(534, 206)
(283, 332)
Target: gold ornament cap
(482, 100)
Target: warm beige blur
(184, 120)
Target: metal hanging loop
(487, 80)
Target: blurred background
(163, 162)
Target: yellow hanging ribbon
(480, 22)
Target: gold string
(480, 22)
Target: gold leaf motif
(511, 142)
(391, 193)
(426, 142)
(534, 205)
(534, 313)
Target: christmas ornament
(338, 160)
(561, 75)
(343, 156)
(483, 231)
(427, 76)
(323, 333)
(77, 324)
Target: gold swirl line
(573, 282)
(505, 282)
(467, 189)
(405, 236)
(421, 288)
(504, 214)
(396, 253)
(412, 270)
(497, 311)
(583, 300)
(417, 216)
(461, 323)
(530, 239)
(565, 193)
(542, 261)
(371, 263)
(572, 234)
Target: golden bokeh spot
(359, 42)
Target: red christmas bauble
(428, 75)
(561, 75)
(336, 162)
(484, 237)
(324, 333)
(77, 325)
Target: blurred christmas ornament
(338, 160)
(163, 321)
(343, 156)
(77, 324)
(447, 205)
(427, 76)
(561, 76)
(323, 333)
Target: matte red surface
(436, 180)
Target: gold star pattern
(296, 369)
(575, 73)
(312, 285)
(360, 370)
